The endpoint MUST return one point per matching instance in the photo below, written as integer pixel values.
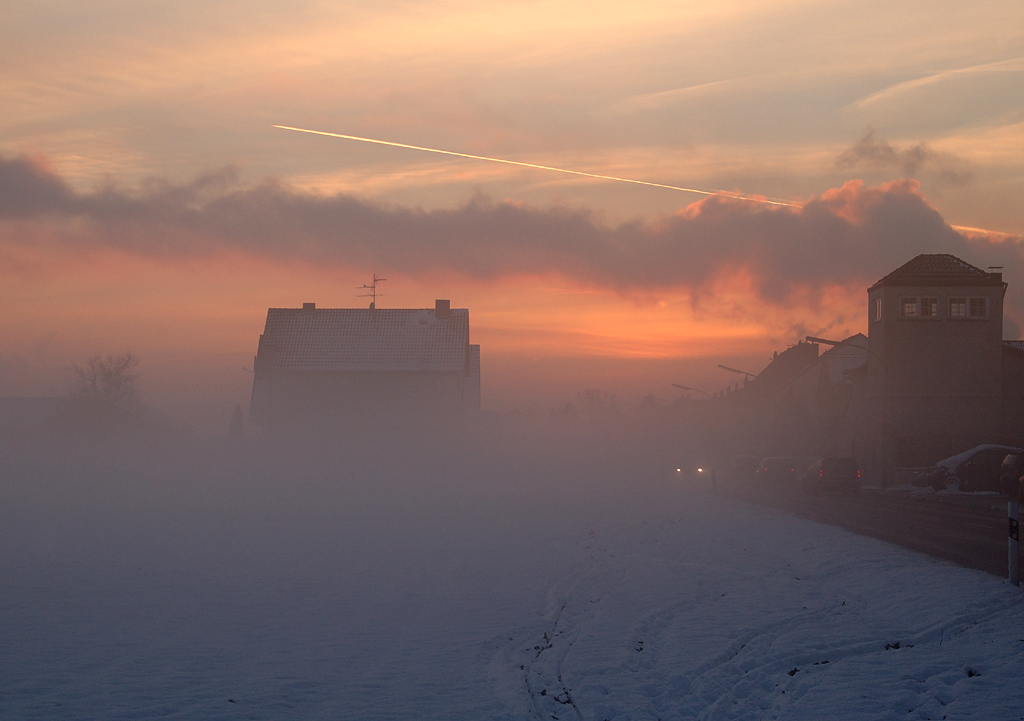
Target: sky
(147, 203)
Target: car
(1010, 474)
(688, 467)
(978, 469)
(776, 470)
(832, 475)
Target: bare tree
(110, 378)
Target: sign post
(1012, 511)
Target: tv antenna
(372, 295)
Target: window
(929, 307)
(957, 307)
(979, 307)
(878, 309)
(908, 307)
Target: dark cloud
(848, 235)
(873, 152)
(27, 189)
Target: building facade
(334, 368)
(935, 361)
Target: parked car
(1010, 473)
(979, 469)
(832, 475)
(776, 470)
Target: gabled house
(350, 367)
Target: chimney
(442, 309)
(308, 307)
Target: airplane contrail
(722, 193)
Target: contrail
(722, 193)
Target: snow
(614, 598)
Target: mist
(303, 576)
(496, 567)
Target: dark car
(776, 470)
(979, 469)
(833, 475)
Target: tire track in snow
(774, 700)
(528, 670)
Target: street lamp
(746, 376)
(695, 390)
(825, 341)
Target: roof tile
(939, 269)
(363, 339)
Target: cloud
(1011, 66)
(872, 152)
(847, 236)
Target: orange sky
(785, 99)
(195, 323)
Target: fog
(516, 566)
(316, 574)
(92, 488)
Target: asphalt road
(967, 529)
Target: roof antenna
(373, 291)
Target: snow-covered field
(612, 597)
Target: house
(1013, 393)
(372, 367)
(765, 415)
(933, 377)
(934, 381)
(816, 405)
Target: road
(968, 529)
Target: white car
(975, 470)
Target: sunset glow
(150, 204)
(515, 359)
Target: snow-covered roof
(939, 269)
(357, 339)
